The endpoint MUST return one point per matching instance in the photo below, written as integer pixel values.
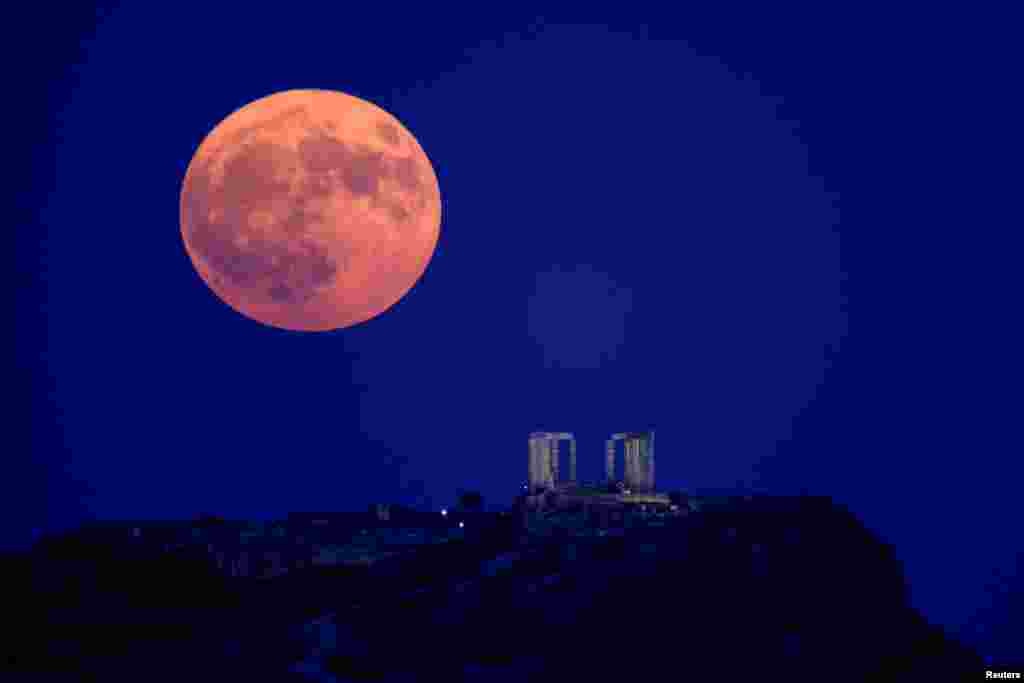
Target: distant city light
(461, 525)
(444, 512)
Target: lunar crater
(388, 133)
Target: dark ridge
(774, 588)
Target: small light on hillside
(444, 512)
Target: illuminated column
(553, 444)
(572, 460)
(544, 446)
(650, 464)
(545, 461)
(638, 466)
(529, 461)
(609, 460)
(641, 453)
(627, 464)
(539, 464)
(650, 455)
(532, 464)
(635, 463)
(549, 465)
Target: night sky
(782, 240)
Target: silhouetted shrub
(471, 501)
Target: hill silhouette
(766, 587)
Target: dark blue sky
(779, 239)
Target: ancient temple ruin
(544, 454)
(638, 460)
(602, 502)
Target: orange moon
(310, 210)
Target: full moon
(310, 210)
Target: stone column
(532, 476)
(641, 445)
(553, 443)
(638, 467)
(650, 464)
(637, 464)
(627, 464)
(650, 455)
(609, 460)
(550, 465)
(539, 465)
(572, 460)
(625, 461)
